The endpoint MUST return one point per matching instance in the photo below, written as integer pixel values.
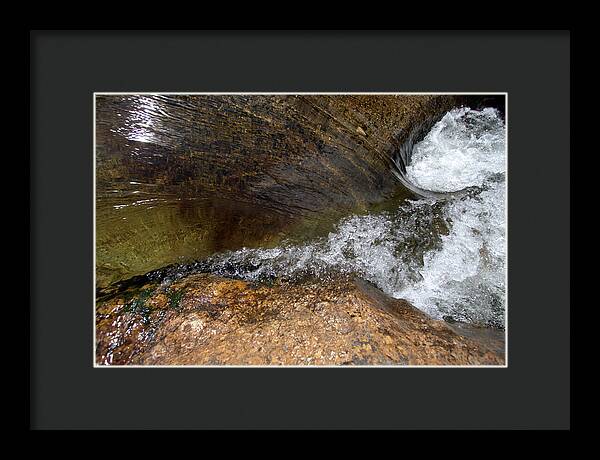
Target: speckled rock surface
(207, 320)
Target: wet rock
(181, 177)
(203, 319)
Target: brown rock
(181, 177)
(207, 320)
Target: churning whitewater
(447, 257)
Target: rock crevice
(181, 177)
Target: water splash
(464, 277)
(463, 149)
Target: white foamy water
(462, 150)
(446, 257)
(465, 277)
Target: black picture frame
(67, 67)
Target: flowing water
(446, 256)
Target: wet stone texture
(203, 319)
(180, 177)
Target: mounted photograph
(300, 229)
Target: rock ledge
(207, 320)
